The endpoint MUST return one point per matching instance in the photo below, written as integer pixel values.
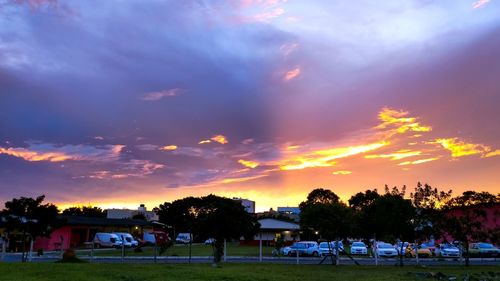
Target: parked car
(386, 250)
(327, 248)
(397, 246)
(359, 248)
(431, 246)
(447, 251)
(304, 248)
(102, 239)
(209, 241)
(183, 238)
(422, 250)
(483, 250)
(129, 240)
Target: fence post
(62, 246)
(92, 252)
(154, 249)
(260, 247)
(123, 248)
(297, 254)
(337, 258)
(225, 250)
(4, 241)
(416, 252)
(30, 254)
(375, 254)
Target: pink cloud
(154, 96)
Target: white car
(397, 246)
(359, 248)
(386, 250)
(129, 240)
(304, 248)
(102, 239)
(447, 251)
(209, 241)
(324, 249)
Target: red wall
(51, 244)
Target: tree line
(390, 216)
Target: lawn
(227, 272)
(233, 249)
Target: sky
(117, 103)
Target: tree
(85, 211)
(30, 217)
(361, 200)
(321, 195)
(323, 213)
(210, 217)
(463, 218)
(427, 202)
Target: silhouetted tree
(31, 217)
(464, 217)
(85, 211)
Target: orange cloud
(324, 158)
(398, 122)
(404, 153)
(168, 147)
(416, 162)
(292, 74)
(205, 141)
(341, 173)
(459, 148)
(220, 139)
(249, 164)
(35, 156)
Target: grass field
(227, 272)
(233, 249)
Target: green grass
(233, 249)
(227, 272)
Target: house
(273, 229)
(248, 204)
(129, 214)
(76, 230)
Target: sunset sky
(117, 103)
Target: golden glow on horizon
(249, 164)
(205, 141)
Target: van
(102, 239)
(128, 239)
(183, 238)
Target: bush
(69, 256)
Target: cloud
(404, 153)
(292, 74)
(416, 162)
(460, 148)
(249, 164)
(341, 172)
(168, 147)
(217, 138)
(479, 4)
(399, 122)
(155, 96)
(325, 157)
(52, 153)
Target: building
(248, 204)
(75, 231)
(273, 229)
(129, 214)
(289, 210)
